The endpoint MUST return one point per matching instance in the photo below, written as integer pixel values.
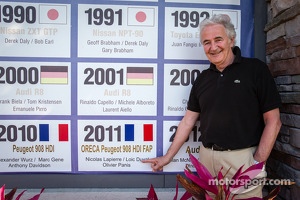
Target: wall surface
(89, 174)
(283, 57)
(282, 53)
(122, 180)
(281, 49)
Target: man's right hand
(158, 163)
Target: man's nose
(214, 46)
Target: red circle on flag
(52, 14)
(140, 16)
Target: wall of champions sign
(100, 86)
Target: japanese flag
(140, 16)
(53, 14)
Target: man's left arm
(269, 135)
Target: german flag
(54, 74)
(139, 76)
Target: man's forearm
(268, 138)
(182, 133)
(179, 139)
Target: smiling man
(217, 45)
(237, 102)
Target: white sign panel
(110, 145)
(117, 89)
(192, 145)
(35, 146)
(35, 88)
(109, 31)
(178, 81)
(230, 2)
(35, 30)
(182, 35)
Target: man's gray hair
(223, 20)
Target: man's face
(217, 45)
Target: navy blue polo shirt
(231, 103)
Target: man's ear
(233, 42)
